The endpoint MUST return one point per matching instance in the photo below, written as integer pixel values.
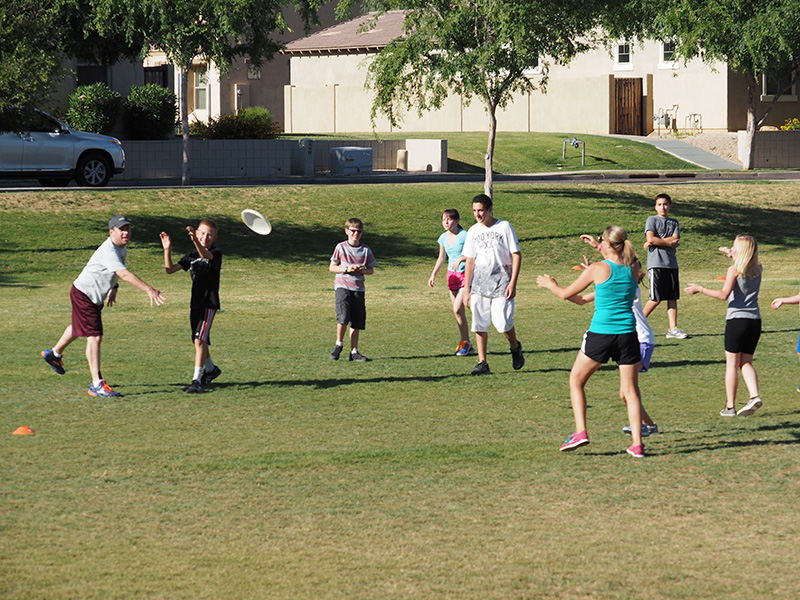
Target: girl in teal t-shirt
(451, 242)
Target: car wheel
(54, 182)
(94, 170)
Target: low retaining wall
(227, 159)
(774, 149)
(208, 159)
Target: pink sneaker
(574, 440)
(636, 451)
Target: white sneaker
(750, 407)
(677, 333)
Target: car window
(26, 121)
(42, 123)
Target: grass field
(517, 152)
(298, 477)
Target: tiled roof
(349, 37)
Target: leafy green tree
(38, 38)
(485, 49)
(31, 56)
(754, 38)
(213, 31)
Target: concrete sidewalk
(687, 152)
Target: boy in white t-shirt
(490, 280)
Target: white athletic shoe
(677, 333)
(750, 407)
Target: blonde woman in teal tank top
(611, 334)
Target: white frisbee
(256, 221)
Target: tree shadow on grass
(332, 382)
(288, 241)
(693, 442)
(496, 353)
(688, 363)
(720, 219)
(457, 166)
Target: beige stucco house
(210, 93)
(629, 88)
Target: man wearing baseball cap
(97, 285)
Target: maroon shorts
(86, 318)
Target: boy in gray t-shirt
(663, 236)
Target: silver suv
(51, 151)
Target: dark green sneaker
(482, 368)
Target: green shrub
(254, 123)
(791, 125)
(94, 108)
(149, 112)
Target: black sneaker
(517, 360)
(211, 376)
(482, 368)
(337, 350)
(194, 388)
(357, 356)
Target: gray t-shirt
(743, 301)
(100, 273)
(659, 257)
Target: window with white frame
(623, 56)
(771, 86)
(200, 87)
(253, 72)
(666, 57)
(534, 70)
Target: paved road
(717, 169)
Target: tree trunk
(752, 101)
(488, 182)
(185, 124)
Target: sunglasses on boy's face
(356, 230)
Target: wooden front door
(628, 105)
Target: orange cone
(723, 278)
(22, 430)
(577, 268)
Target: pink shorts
(455, 280)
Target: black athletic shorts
(742, 335)
(664, 284)
(200, 320)
(350, 308)
(623, 347)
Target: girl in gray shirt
(743, 321)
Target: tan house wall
(579, 97)
(574, 105)
(342, 69)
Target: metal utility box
(351, 159)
